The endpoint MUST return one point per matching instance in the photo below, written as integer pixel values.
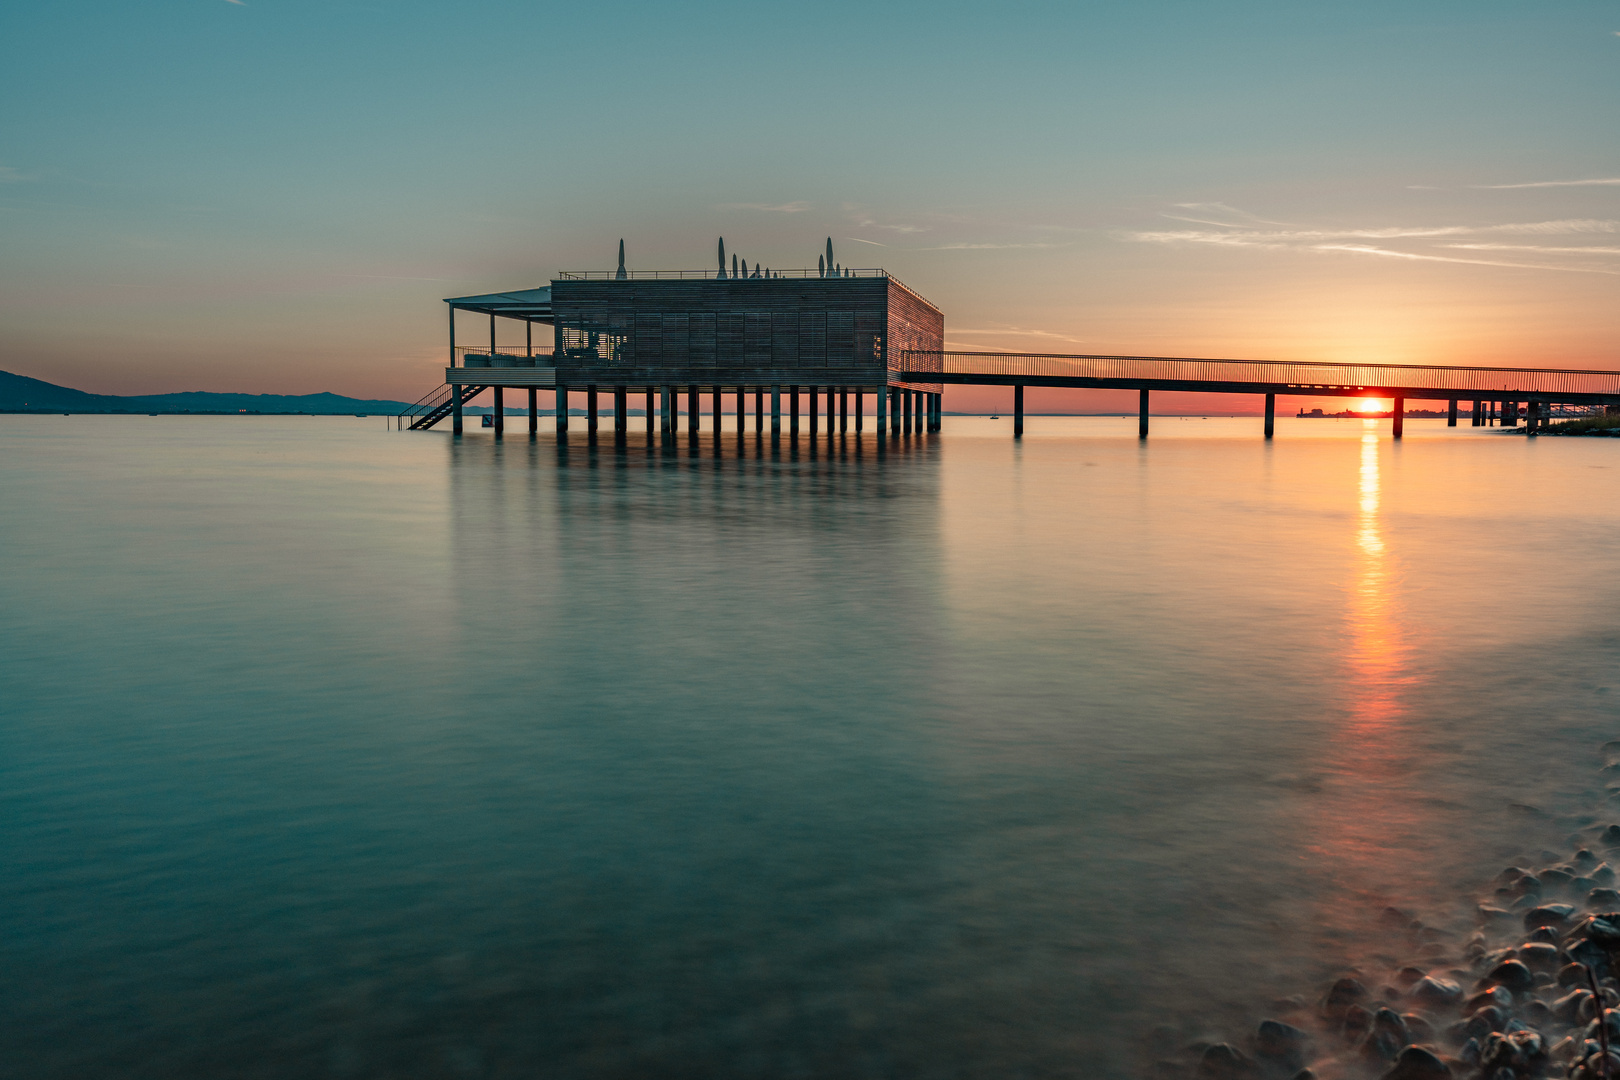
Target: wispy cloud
(1609, 181)
(238, 3)
(1011, 331)
(770, 208)
(1413, 243)
(858, 240)
(984, 247)
(8, 175)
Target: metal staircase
(435, 405)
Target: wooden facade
(809, 331)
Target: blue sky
(272, 195)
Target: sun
(1369, 405)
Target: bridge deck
(1308, 379)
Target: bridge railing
(1492, 381)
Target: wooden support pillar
(652, 407)
(621, 413)
(843, 409)
(1510, 414)
(742, 410)
(1476, 419)
(882, 410)
(1271, 415)
(921, 400)
(718, 411)
(815, 402)
(562, 409)
(590, 410)
(666, 411)
(1451, 413)
(692, 409)
(534, 411)
(860, 409)
(895, 417)
(905, 411)
(793, 410)
(1018, 411)
(759, 410)
(1397, 416)
(1142, 414)
(500, 411)
(455, 410)
(776, 409)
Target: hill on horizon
(19, 393)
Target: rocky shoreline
(1515, 999)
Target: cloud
(8, 175)
(858, 240)
(238, 3)
(1013, 331)
(985, 247)
(1414, 243)
(1612, 181)
(770, 208)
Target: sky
(273, 196)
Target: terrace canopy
(532, 305)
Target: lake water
(333, 751)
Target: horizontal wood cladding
(914, 323)
(809, 331)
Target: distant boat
(995, 418)
(489, 420)
(361, 415)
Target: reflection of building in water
(830, 335)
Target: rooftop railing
(1290, 373)
(686, 275)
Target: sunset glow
(1369, 405)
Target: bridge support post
(843, 409)
(621, 413)
(759, 410)
(1510, 414)
(562, 409)
(815, 418)
(590, 410)
(455, 409)
(1018, 411)
(1397, 416)
(665, 419)
(534, 411)
(742, 410)
(894, 410)
(1451, 413)
(648, 412)
(500, 408)
(793, 410)
(1473, 417)
(882, 410)
(905, 412)
(1142, 415)
(719, 410)
(776, 409)
(919, 402)
(1271, 415)
(693, 409)
(860, 409)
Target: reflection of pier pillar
(776, 409)
(1018, 411)
(534, 411)
(1451, 413)
(500, 407)
(1142, 415)
(1397, 415)
(1271, 415)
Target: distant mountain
(19, 393)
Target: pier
(822, 341)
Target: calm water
(331, 751)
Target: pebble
(1510, 974)
(1603, 899)
(1223, 1061)
(1417, 1063)
(1433, 991)
(1548, 915)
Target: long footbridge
(1494, 392)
